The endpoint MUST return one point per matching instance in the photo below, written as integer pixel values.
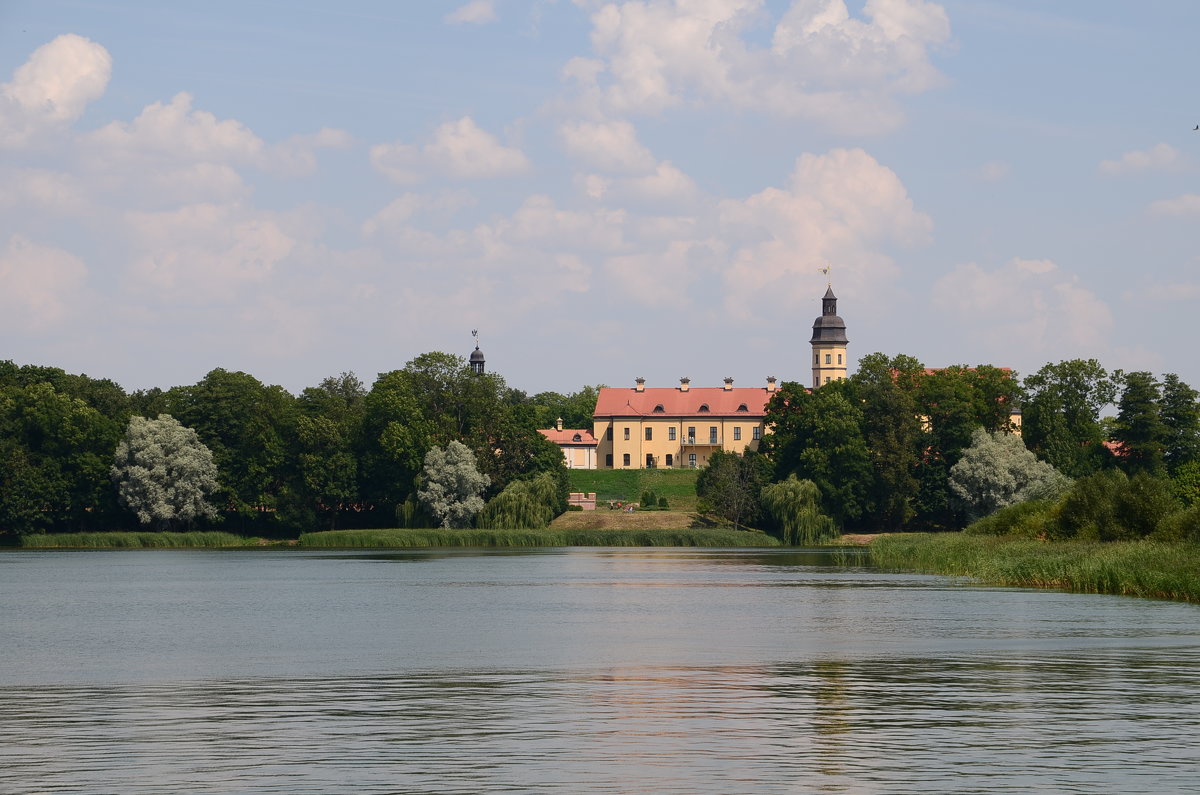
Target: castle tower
(477, 360)
(828, 343)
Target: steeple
(829, 342)
(477, 360)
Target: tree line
(897, 446)
(338, 454)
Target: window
(827, 379)
(757, 433)
(828, 359)
(577, 438)
(737, 433)
(816, 358)
(627, 430)
(658, 409)
(712, 434)
(742, 407)
(608, 434)
(839, 358)
(670, 460)
(703, 408)
(692, 460)
(608, 460)
(671, 433)
(649, 461)
(649, 434)
(625, 459)
(691, 437)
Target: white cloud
(460, 149)
(400, 211)
(204, 252)
(1031, 307)
(174, 129)
(822, 63)
(843, 208)
(52, 88)
(48, 190)
(38, 284)
(607, 145)
(476, 12)
(1162, 157)
(1186, 205)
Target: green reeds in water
(132, 540)
(1130, 568)
(537, 538)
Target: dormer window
(703, 408)
(742, 407)
(577, 438)
(659, 409)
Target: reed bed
(1134, 568)
(698, 537)
(134, 540)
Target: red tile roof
(567, 436)
(624, 402)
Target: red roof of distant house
(673, 402)
(569, 436)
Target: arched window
(742, 407)
(703, 408)
(659, 409)
(577, 438)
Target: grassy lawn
(627, 485)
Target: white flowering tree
(998, 470)
(451, 485)
(164, 473)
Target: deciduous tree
(998, 470)
(164, 473)
(452, 485)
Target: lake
(578, 670)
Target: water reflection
(626, 671)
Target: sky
(605, 190)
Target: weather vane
(826, 271)
(475, 335)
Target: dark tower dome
(477, 360)
(829, 327)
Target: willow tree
(164, 473)
(796, 505)
(523, 505)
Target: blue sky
(605, 189)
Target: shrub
(662, 503)
(1027, 519)
(1180, 526)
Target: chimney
(641, 384)
(728, 384)
(558, 424)
(771, 383)
(685, 384)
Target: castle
(652, 427)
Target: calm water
(629, 671)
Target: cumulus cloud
(37, 284)
(175, 129)
(1027, 305)
(459, 149)
(822, 63)
(52, 88)
(204, 252)
(842, 207)
(1180, 207)
(477, 12)
(1162, 157)
(607, 145)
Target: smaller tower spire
(477, 360)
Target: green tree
(795, 506)
(324, 448)
(452, 485)
(998, 470)
(1140, 428)
(891, 427)
(1181, 418)
(522, 505)
(730, 486)
(1061, 414)
(164, 473)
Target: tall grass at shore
(130, 540)
(697, 537)
(1133, 568)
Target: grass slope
(627, 485)
(1134, 568)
